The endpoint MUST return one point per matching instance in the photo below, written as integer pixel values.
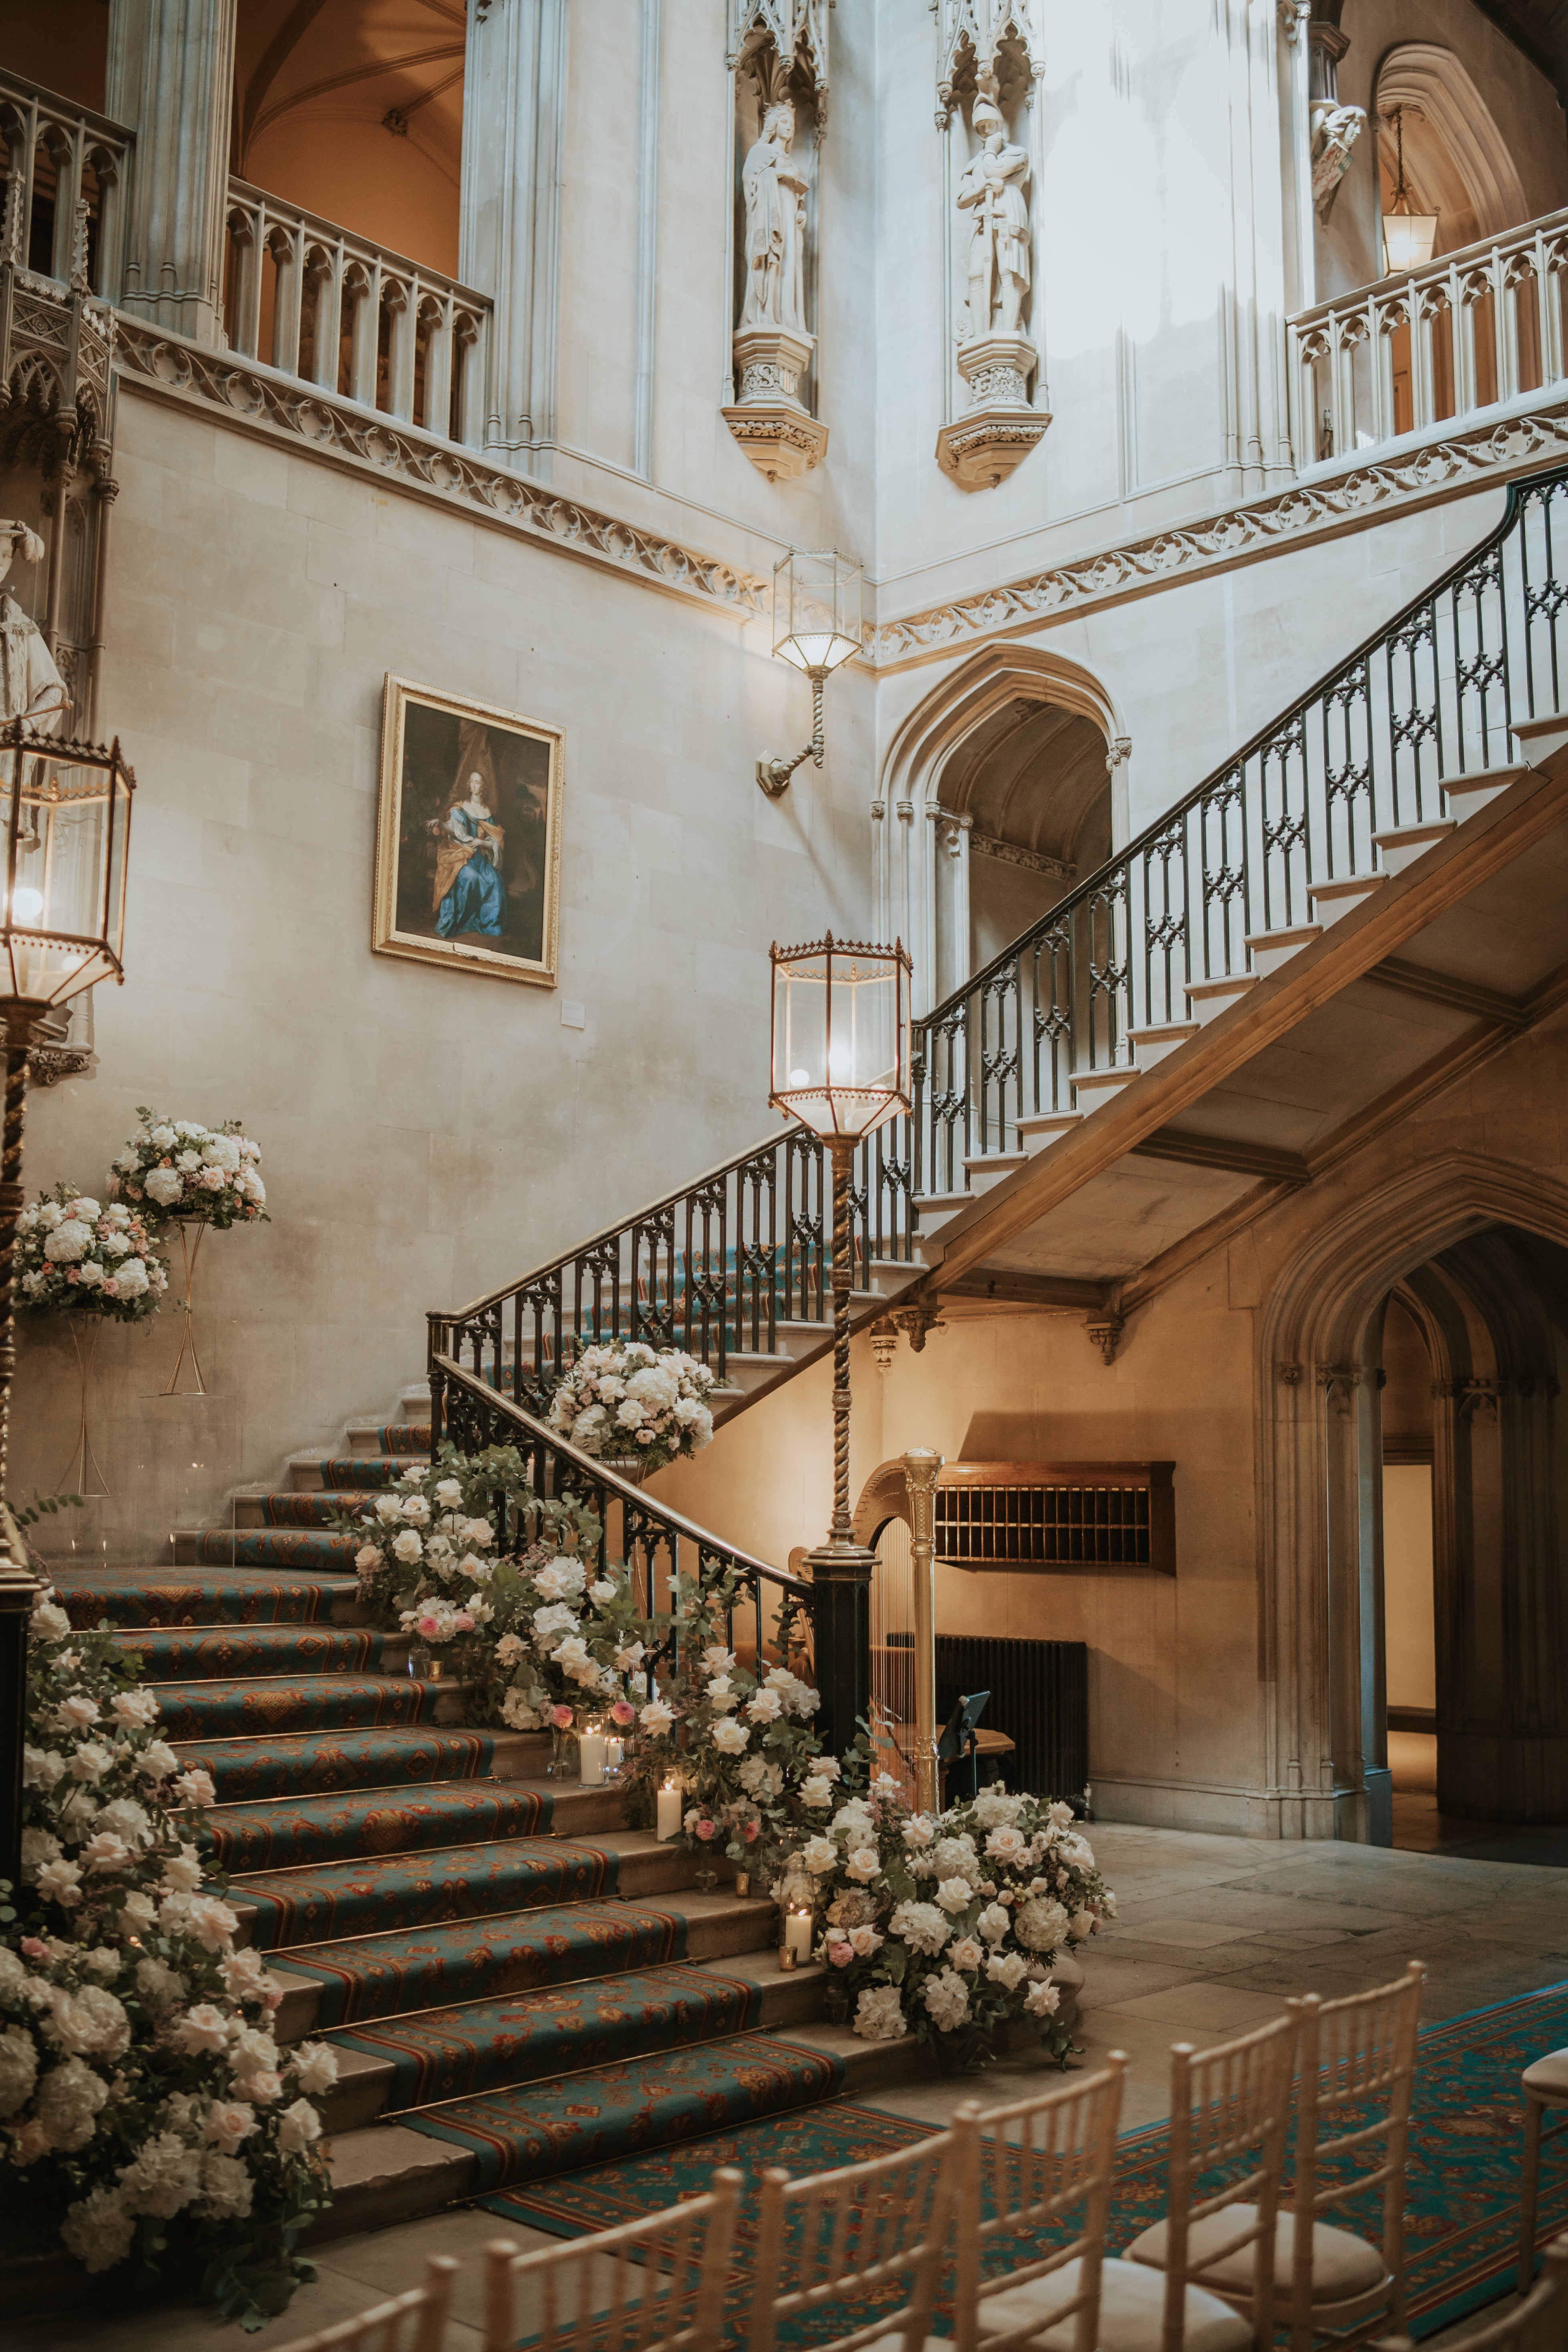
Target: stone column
(171, 79)
(515, 108)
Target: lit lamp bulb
(27, 905)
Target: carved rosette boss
(988, 45)
(781, 47)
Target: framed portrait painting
(467, 840)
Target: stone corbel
(981, 449)
(1103, 1329)
(884, 1338)
(1335, 130)
(917, 1322)
(772, 424)
(1339, 1383)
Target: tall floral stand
(83, 1474)
(190, 1251)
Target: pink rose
(213, 1177)
(35, 1947)
(840, 1955)
(623, 1711)
(750, 1833)
(561, 1717)
(429, 1625)
(707, 1829)
(463, 1622)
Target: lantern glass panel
(841, 1037)
(1407, 240)
(816, 609)
(65, 814)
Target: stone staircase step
(1270, 951)
(240, 1709)
(322, 1761)
(167, 1596)
(511, 2040)
(350, 1979)
(294, 1831)
(387, 2172)
(183, 1654)
(313, 1550)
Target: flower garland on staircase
(146, 2109)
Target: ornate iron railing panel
(714, 1269)
(1429, 698)
(657, 1544)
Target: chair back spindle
(1357, 2053)
(415, 2321)
(1033, 2163)
(655, 2284)
(852, 2237)
(1228, 2105)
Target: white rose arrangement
(627, 1399)
(74, 1255)
(179, 1168)
(465, 1558)
(146, 2109)
(945, 1926)
(738, 1738)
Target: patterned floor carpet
(1462, 2203)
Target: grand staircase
(516, 1984)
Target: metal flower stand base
(189, 1252)
(83, 1474)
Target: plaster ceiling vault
(353, 109)
(1034, 774)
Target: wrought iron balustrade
(1477, 326)
(316, 302)
(714, 1268)
(657, 1544)
(1257, 848)
(67, 174)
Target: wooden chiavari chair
(1032, 2164)
(655, 2284)
(847, 2237)
(1357, 2053)
(1539, 2324)
(383, 2329)
(1229, 2106)
(1545, 2085)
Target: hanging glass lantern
(65, 810)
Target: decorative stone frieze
(310, 419)
(1008, 852)
(1235, 535)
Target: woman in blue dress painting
(470, 895)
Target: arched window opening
(51, 180)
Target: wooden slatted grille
(1057, 1515)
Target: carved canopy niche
(778, 55)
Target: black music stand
(958, 1745)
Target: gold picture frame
(467, 835)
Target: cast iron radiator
(1040, 1697)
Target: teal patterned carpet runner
(620, 2110)
(390, 1976)
(450, 2053)
(421, 1889)
(493, 1988)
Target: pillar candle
(668, 1810)
(591, 1744)
(615, 1755)
(796, 1935)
